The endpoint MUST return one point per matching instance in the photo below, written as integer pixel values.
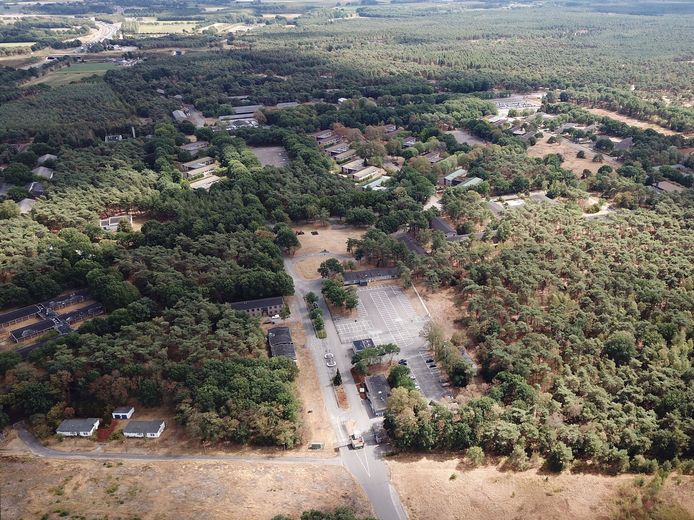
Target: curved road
(366, 465)
(40, 450)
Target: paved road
(367, 465)
(40, 450)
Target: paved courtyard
(386, 315)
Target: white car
(330, 359)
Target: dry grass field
(568, 150)
(51, 489)
(330, 238)
(630, 120)
(441, 489)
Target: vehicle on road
(356, 439)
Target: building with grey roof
(145, 429)
(260, 307)
(48, 157)
(123, 412)
(455, 178)
(17, 315)
(377, 392)
(43, 172)
(78, 427)
(281, 343)
(370, 275)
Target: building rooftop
(369, 171)
(32, 330)
(248, 109)
(25, 205)
(123, 409)
(257, 304)
(143, 427)
(357, 276)
(42, 171)
(361, 344)
(78, 425)
(46, 157)
(354, 165)
(193, 147)
(439, 224)
(198, 163)
(16, 314)
(81, 314)
(472, 181)
(378, 390)
(460, 172)
(281, 344)
(411, 243)
(669, 187)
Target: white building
(145, 429)
(123, 412)
(78, 427)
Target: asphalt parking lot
(386, 315)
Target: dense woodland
(581, 328)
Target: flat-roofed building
(345, 156)
(471, 182)
(377, 392)
(195, 147)
(370, 172)
(281, 343)
(47, 157)
(197, 163)
(112, 223)
(260, 307)
(376, 185)
(352, 166)
(370, 275)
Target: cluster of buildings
(151, 429)
(280, 342)
(40, 318)
(35, 189)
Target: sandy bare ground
(331, 238)
(32, 487)
(430, 492)
(568, 150)
(308, 267)
(441, 306)
(630, 120)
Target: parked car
(402, 362)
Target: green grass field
(75, 73)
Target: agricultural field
(75, 73)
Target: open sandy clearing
(630, 120)
(330, 238)
(32, 487)
(568, 150)
(486, 493)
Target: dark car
(402, 362)
(430, 360)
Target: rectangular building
(260, 307)
(370, 172)
(123, 412)
(31, 331)
(95, 309)
(145, 429)
(371, 275)
(281, 343)
(17, 316)
(196, 163)
(455, 178)
(78, 427)
(377, 392)
(352, 166)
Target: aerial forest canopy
(576, 310)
